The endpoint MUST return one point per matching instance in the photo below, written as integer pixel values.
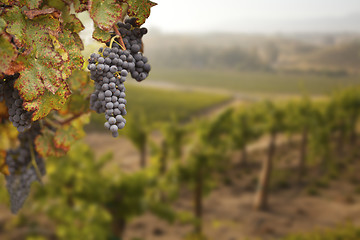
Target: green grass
(256, 82)
(346, 232)
(159, 105)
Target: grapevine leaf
(31, 14)
(42, 105)
(73, 24)
(80, 5)
(31, 4)
(75, 60)
(140, 9)
(7, 53)
(16, 22)
(65, 137)
(4, 169)
(31, 32)
(79, 80)
(41, 73)
(2, 25)
(15, 67)
(45, 145)
(78, 41)
(77, 105)
(105, 13)
(101, 35)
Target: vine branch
(118, 34)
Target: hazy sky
(250, 15)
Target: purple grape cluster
(132, 38)
(20, 118)
(22, 172)
(108, 69)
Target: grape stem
(33, 161)
(119, 36)
(58, 123)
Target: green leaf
(75, 59)
(41, 73)
(31, 31)
(45, 145)
(101, 35)
(79, 80)
(73, 24)
(105, 13)
(16, 22)
(31, 4)
(78, 41)
(48, 101)
(7, 53)
(140, 9)
(65, 137)
(80, 5)
(2, 25)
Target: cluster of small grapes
(108, 69)
(19, 117)
(22, 172)
(132, 38)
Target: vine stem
(118, 34)
(57, 123)
(33, 161)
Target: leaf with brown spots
(48, 101)
(41, 73)
(7, 52)
(80, 5)
(2, 25)
(45, 145)
(140, 9)
(66, 136)
(73, 24)
(101, 35)
(105, 13)
(31, 4)
(75, 59)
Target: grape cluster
(108, 69)
(132, 38)
(19, 117)
(22, 172)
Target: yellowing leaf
(101, 35)
(42, 105)
(7, 53)
(45, 146)
(105, 13)
(140, 9)
(4, 169)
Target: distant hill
(256, 52)
(349, 23)
(340, 57)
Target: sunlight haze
(255, 16)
